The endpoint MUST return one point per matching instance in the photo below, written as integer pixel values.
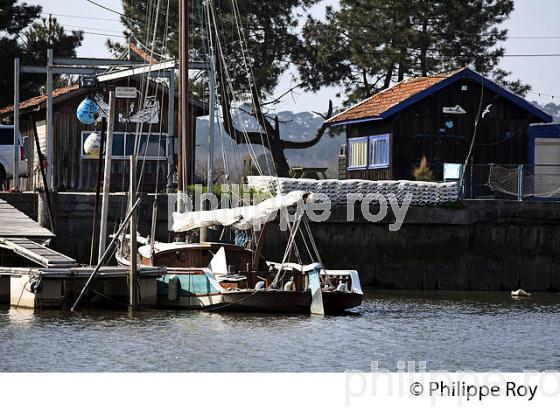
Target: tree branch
(318, 135)
(279, 98)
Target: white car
(7, 154)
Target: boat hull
(288, 302)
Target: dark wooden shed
(73, 170)
(436, 117)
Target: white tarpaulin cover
(242, 218)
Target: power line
(79, 17)
(105, 8)
(544, 95)
(100, 30)
(96, 33)
(532, 55)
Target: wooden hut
(73, 170)
(435, 117)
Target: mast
(183, 152)
(212, 112)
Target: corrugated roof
(390, 101)
(381, 102)
(41, 99)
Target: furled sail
(245, 217)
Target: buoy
(520, 293)
(87, 111)
(92, 145)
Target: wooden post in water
(51, 179)
(97, 191)
(15, 170)
(132, 299)
(107, 175)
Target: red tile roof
(381, 102)
(141, 53)
(41, 99)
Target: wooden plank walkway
(15, 224)
(37, 253)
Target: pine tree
(270, 43)
(367, 45)
(23, 35)
(13, 19)
(44, 34)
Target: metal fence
(512, 181)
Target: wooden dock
(40, 288)
(37, 253)
(15, 224)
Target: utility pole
(107, 174)
(16, 124)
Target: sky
(534, 18)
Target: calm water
(455, 331)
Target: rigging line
(476, 122)
(157, 88)
(510, 138)
(228, 83)
(244, 41)
(159, 85)
(139, 127)
(210, 51)
(251, 79)
(164, 48)
(148, 74)
(291, 239)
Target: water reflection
(451, 331)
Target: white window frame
(372, 140)
(127, 136)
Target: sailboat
(236, 277)
(220, 276)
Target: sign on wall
(126, 92)
(457, 110)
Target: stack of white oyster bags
(341, 191)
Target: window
(369, 152)
(379, 151)
(357, 153)
(6, 136)
(151, 147)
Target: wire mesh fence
(513, 181)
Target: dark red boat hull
(287, 302)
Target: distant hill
(293, 127)
(552, 109)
